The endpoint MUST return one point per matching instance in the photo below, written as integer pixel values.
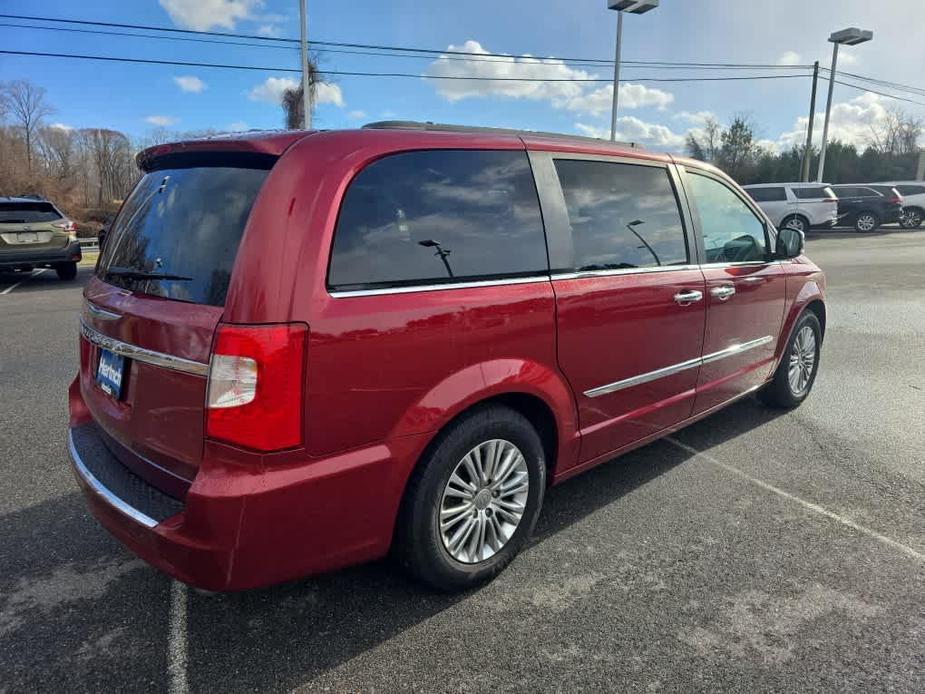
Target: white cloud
(846, 58)
(161, 121)
(202, 15)
(498, 77)
(189, 83)
(270, 30)
(632, 129)
(356, 115)
(698, 118)
(61, 126)
(238, 126)
(851, 123)
(271, 90)
(789, 58)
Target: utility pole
(616, 77)
(808, 151)
(306, 86)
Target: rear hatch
(27, 226)
(153, 306)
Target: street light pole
(808, 150)
(306, 85)
(616, 77)
(849, 37)
(828, 114)
(621, 6)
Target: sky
(137, 99)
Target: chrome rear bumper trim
(100, 490)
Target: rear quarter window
(438, 216)
(814, 192)
(770, 194)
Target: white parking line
(13, 286)
(176, 639)
(816, 508)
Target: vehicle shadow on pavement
(284, 636)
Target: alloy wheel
(866, 222)
(484, 501)
(796, 224)
(911, 219)
(802, 360)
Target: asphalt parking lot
(755, 550)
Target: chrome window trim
(623, 271)
(347, 294)
(100, 490)
(147, 356)
(677, 368)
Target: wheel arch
(801, 215)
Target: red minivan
(304, 350)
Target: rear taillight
(69, 227)
(255, 386)
(895, 200)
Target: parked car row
(803, 206)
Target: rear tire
(66, 271)
(798, 366)
(425, 547)
(866, 222)
(795, 222)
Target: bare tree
(707, 143)
(58, 147)
(113, 163)
(898, 133)
(25, 102)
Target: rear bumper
(70, 253)
(238, 528)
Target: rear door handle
(724, 292)
(688, 297)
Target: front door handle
(724, 292)
(688, 297)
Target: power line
(407, 49)
(874, 91)
(344, 73)
(381, 54)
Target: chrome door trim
(435, 287)
(102, 491)
(147, 356)
(583, 274)
(678, 368)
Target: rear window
(182, 222)
(767, 194)
(911, 190)
(439, 216)
(28, 212)
(814, 192)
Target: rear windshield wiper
(136, 274)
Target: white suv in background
(913, 193)
(799, 206)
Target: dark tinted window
(809, 193)
(886, 191)
(622, 215)
(185, 222)
(731, 231)
(439, 216)
(854, 192)
(911, 190)
(28, 212)
(767, 194)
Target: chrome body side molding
(147, 356)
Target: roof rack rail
(449, 128)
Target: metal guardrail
(89, 244)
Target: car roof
(13, 198)
(798, 184)
(401, 133)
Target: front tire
(866, 222)
(911, 219)
(798, 366)
(473, 500)
(66, 271)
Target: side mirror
(790, 243)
